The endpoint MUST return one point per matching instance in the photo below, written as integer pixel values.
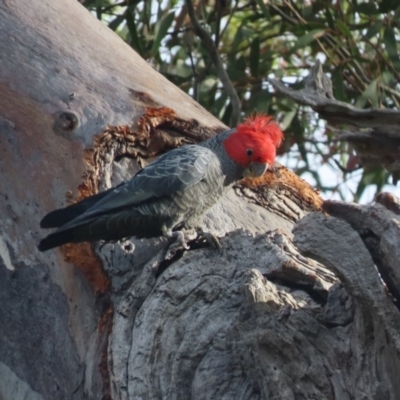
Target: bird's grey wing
(172, 172)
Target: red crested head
(254, 141)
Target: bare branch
(378, 143)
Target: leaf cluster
(357, 40)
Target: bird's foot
(183, 237)
(125, 244)
(211, 239)
(180, 242)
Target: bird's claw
(181, 238)
(180, 242)
(211, 239)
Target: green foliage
(357, 40)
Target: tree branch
(378, 140)
(209, 45)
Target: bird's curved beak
(254, 170)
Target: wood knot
(65, 122)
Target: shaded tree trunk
(79, 112)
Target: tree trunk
(80, 112)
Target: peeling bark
(118, 321)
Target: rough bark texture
(116, 320)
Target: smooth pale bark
(63, 78)
(258, 320)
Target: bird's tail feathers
(106, 227)
(62, 216)
(56, 239)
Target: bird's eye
(249, 152)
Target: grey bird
(172, 193)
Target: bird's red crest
(254, 140)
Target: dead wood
(373, 133)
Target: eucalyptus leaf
(135, 41)
(255, 56)
(391, 46)
(371, 94)
(161, 31)
(374, 29)
(344, 29)
(338, 85)
(287, 119)
(263, 8)
(116, 22)
(308, 38)
(368, 8)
